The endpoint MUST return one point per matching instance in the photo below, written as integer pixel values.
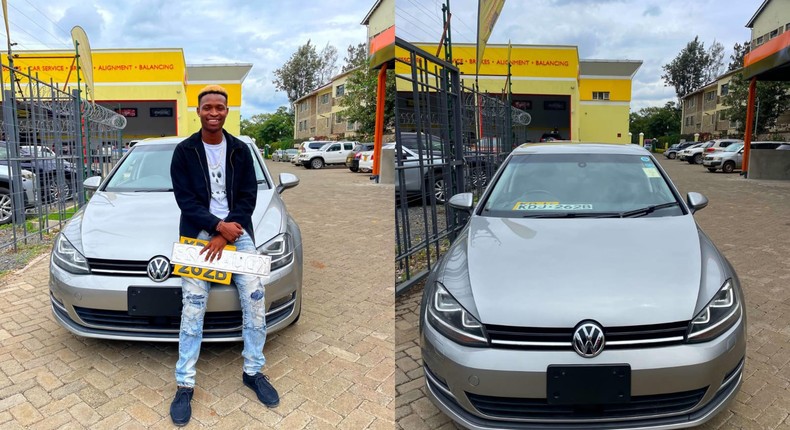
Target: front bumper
(486, 388)
(711, 163)
(96, 306)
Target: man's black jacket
(192, 186)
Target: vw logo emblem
(588, 340)
(159, 268)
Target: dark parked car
(43, 162)
(352, 159)
(673, 150)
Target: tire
(316, 163)
(672, 155)
(438, 190)
(354, 169)
(728, 167)
(712, 169)
(6, 208)
(697, 159)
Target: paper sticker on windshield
(550, 206)
(651, 172)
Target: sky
(653, 31)
(262, 32)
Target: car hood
(558, 272)
(137, 226)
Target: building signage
(554, 105)
(161, 112)
(127, 112)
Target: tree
(355, 55)
(278, 127)
(656, 121)
(251, 126)
(687, 71)
(772, 97)
(736, 58)
(360, 98)
(715, 61)
(328, 64)
(299, 75)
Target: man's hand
(213, 248)
(231, 231)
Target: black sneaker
(263, 389)
(181, 409)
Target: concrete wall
(769, 164)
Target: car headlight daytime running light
(280, 249)
(66, 256)
(718, 316)
(447, 316)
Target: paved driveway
(334, 368)
(750, 222)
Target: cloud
(86, 16)
(652, 11)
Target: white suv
(309, 146)
(330, 153)
(696, 155)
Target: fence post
(12, 143)
(81, 149)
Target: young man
(215, 187)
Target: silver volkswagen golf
(110, 276)
(550, 309)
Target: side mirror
(462, 201)
(287, 180)
(92, 183)
(696, 201)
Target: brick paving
(750, 223)
(333, 369)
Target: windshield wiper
(154, 190)
(572, 215)
(647, 210)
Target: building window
(338, 118)
(710, 95)
(327, 122)
(787, 26)
(340, 90)
(691, 102)
(725, 89)
(600, 95)
(760, 40)
(324, 99)
(773, 34)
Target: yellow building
(584, 100)
(153, 88)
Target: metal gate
(52, 141)
(449, 139)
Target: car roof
(580, 148)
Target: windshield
(147, 168)
(574, 185)
(735, 147)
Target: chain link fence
(450, 138)
(52, 141)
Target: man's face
(213, 110)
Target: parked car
(695, 155)
(673, 150)
(289, 155)
(728, 160)
(43, 162)
(511, 338)
(683, 153)
(765, 144)
(330, 153)
(110, 274)
(550, 137)
(352, 159)
(7, 191)
(278, 155)
(364, 161)
(308, 146)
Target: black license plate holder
(588, 385)
(154, 301)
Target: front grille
(121, 320)
(639, 406)
(118, 267)
(541, 338)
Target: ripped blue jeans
(195, 296)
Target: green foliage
(300, 74)
(655, 121)
(360, 98)
(355, 55)
(773, 101)
(736, 58)
(693, 67)
(268, 128)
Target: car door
(334, 154)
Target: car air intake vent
(121, 320)
(118, 267)
(542, 338)
(639, 406)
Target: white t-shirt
(215, 155)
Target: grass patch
(24, 254)
(68, 213)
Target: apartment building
(319, 114)
(704, 109)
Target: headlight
(447, 316)
(718, 316)
(66, 256)
(281, 249)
